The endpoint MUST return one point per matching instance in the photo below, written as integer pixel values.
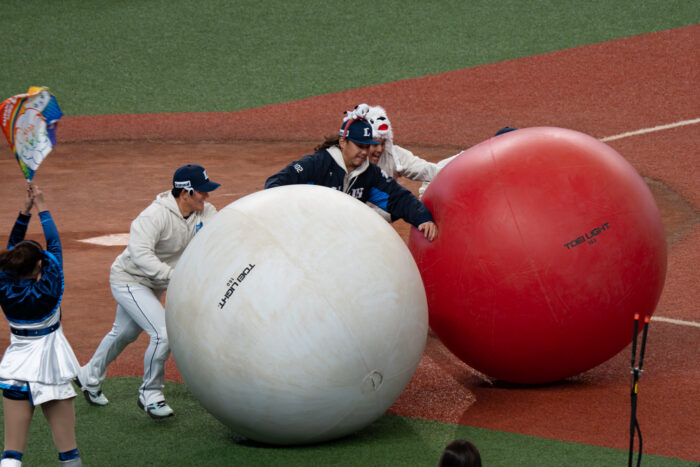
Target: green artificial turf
(105, 57)
(120, 434)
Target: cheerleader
(39, 364)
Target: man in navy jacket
(341, 162)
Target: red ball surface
(549, 243)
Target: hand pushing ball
(549, 243)
(297, 315)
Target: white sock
(7, 462)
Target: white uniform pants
(138, 308)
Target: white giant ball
(297, 315)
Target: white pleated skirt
(46, 365)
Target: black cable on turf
(636, 373)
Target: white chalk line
(108, 240)
(679, 322)
(651, 130)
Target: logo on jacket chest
(356, 192)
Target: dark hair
(176, 192)
(22, 258)
(460, 453)
(331, 140)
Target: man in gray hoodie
(138, 278)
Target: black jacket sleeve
(400, 202)
(295, 173)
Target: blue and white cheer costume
(39, 360)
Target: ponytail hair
(330, 140)
(22, 258)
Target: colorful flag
(29, 123)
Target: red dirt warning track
(106, 169)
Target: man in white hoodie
(138, 278)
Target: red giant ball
(549, 243)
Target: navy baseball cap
(360, 131)
(505, 129)
(194, 177)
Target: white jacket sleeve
(440, 165)
(145, 233)
(415, 168)
(209, 211)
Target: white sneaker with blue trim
(157, 410)
(92, 397)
